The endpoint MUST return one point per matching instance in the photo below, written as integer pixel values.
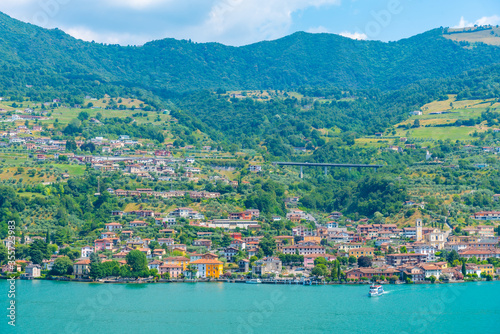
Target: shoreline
(270, 282)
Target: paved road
(447, 233)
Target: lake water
(63, 307)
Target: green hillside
(46, 59)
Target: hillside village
(234, 248)
(337, 154)
(188, 211)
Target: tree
(71, 253)
(192, 270)
(452, 256)
(137, 261)
(364, 261)
(39, 251)
(125, 271)
(154, 245)
(3, 253)
(226, 241)
(268, 245)
(95, 270)
(320, 270)
(36, 256)
(403, 249)
(62, 266)
(432, 279)
(71, 145)
(320, 260)
(154, 272)
(334, 273)
(83, 115)
(464, 269)
(94, 257)
(352, 259)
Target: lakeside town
(234, 249)
(249, 166)
(180, 215)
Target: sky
(242, 22)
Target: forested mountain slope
(30, 55)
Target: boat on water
(376, 290)
(253, 281)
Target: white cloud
(86, 34)
(239, 22)
(463, 23)
(485, 20)
(318, 30)
(233, 22)
(354, 35)
(138, 4)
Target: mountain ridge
(53, 58)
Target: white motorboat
(376, 290)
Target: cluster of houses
(409, 252)
(146, 192)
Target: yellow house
(178, 261)
(462, 238)
(486, 269)
(208, 268)
(81, 268)
(364, 251)
(442, 265)
(313, 239)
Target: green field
(481, 36)
(437, 133)
(65, 115)
(9, 158)
(73, 170)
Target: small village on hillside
(230, 166)
(183, 213)
(233, 249)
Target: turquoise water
(62, 307)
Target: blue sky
(240, 22)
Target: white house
(426, 249)
(431, 270)
(471, 269)
(48, 264)
(230, 253)
(332, 224)
(87, 250)
(155, 264)
(182, 212)
(166, 241)
(32, 271)
(238, 244)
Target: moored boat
(254, 281)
